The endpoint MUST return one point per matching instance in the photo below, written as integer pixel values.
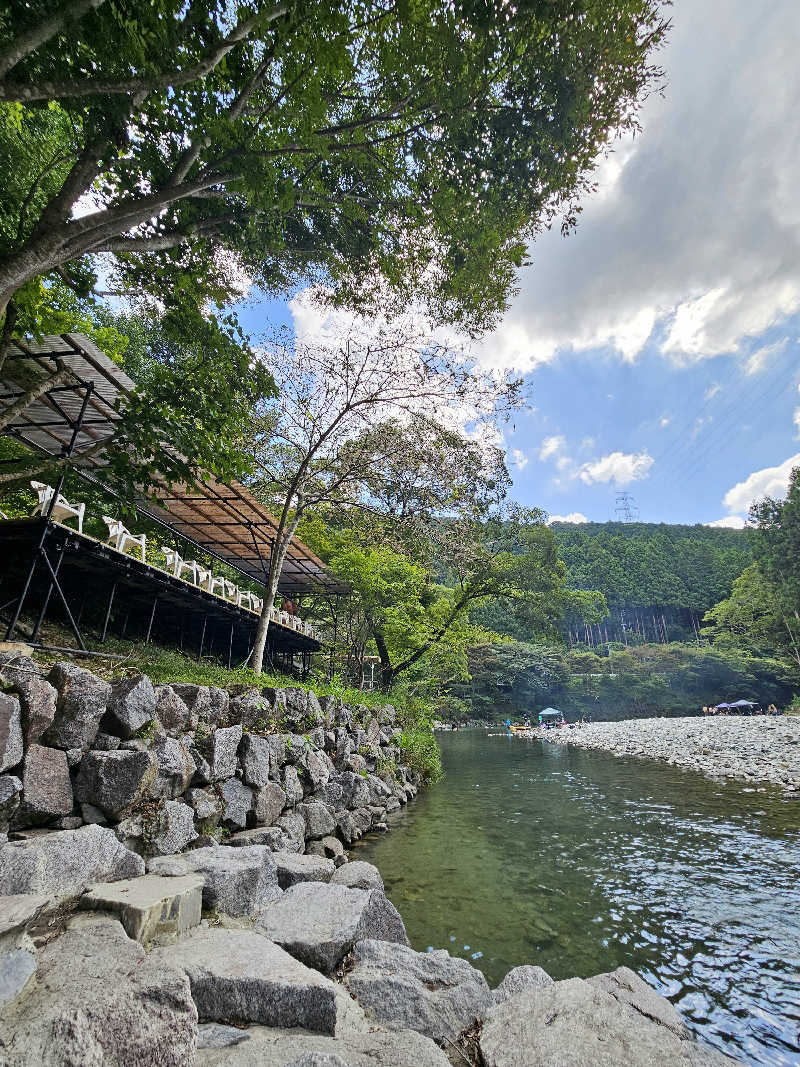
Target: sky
(661, 340)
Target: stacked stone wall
(178, 766)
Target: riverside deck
(111, 592)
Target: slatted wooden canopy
(224, 520)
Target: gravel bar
(749, 748)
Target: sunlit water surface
(581, 862)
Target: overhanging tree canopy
(422, 144)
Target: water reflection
(581, 862)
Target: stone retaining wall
(179, 766)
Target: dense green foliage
(421, 144)
(514, 680)
(658, 580)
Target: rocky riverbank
(755, 749)
(175, 891)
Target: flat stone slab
(241, 976)
(319, 923)
(574, 1022)
(98, 1000)
(151, 906)
(17, 967)
(237, 881)
(66, 862)
(18, 911)
(295, 1048)
(294, 868)
(432, 992)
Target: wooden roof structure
(227, 520)
(224, 520)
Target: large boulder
(240, 976)
(294, 868)
(10, 732)
(206, 703)
(237, 803)
(576, 1022)
(272, 836)
(47, 787)
(358, 875)
(345, 790)
(37, 697)
(115, 781)
(206, 806)
(318, 819)
(171, 710)
(223, 747)
(319, 924)
(519, 980)
(257, 759)
(10, 794)
(294, 826)
(175, 768)
(628, 988)
(81, 704)
(249, 708)
(431, 992)
(98, 999)
(292, 786)
(131, 705)
(170, 830)
(237, 881)
(270, 800)
(375, 1047)
(64, 863)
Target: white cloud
(796, 421)
(574, 516)
(759, 359)
(621, 468)
(551, 446)
(519, 458)
(712, 391)
(729, 522)
(664, 421)
(771, 481)
(693, 241)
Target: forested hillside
(658, 579)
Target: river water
(580, 862)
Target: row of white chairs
(120, 537)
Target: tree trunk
(387, 673)
(283, 539)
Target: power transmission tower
(626, 510)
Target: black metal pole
(230, 648)
(108, 612)
(60, 592)
(150, 624)
(46, 601)
(202, 637)
(76, 429)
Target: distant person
(288, 607)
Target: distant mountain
(659, 579)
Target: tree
(750, 619)
(321, 440)
(419, 146)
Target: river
(580, 861)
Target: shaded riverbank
(751, 748)
(581, 862)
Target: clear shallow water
(581, 862)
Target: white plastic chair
(213, 583)
(258, 604)
(62, 509)
(178, 565)
(231, 590)
(245, 595)
(120, 536)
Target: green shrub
(421, 753)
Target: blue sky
(661, 340)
